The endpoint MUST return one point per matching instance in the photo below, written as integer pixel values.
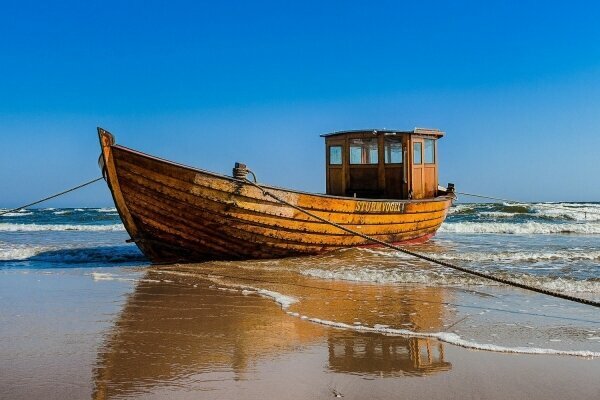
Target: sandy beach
(185, 332)
(270, 200)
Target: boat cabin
(382, 163)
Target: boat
(382, 183)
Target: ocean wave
(462, 209)
(589, 212)
(61, 212)
(58, 227)
(523, 256)
(525, 228)
(497, 214)
(110, 254)
(17, 214)
(73, 255)
(13, 252)
(440, 277)
(493, 256)
(574, 212)
(107, 210)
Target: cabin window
(429, 151)
(393, 151)
(417, 152)
(335, 155)
(363, 151)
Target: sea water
(553, 246)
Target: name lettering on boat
(377, 206)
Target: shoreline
(142, 331)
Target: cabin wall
(399, 178)
(424, 173)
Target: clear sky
(516, 86)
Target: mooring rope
(522, 202)
(427, 258)
(51, 197)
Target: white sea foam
(378, 275)
(107, 210)
(523, 256)
(455, 339)
(284, 301)
(17, 214)
(525, 228)
(497, 214)
(61, 212)
(103, 276)
(100, 276)
(281, 299)
(58, 227)
(572, 211)
(574, 254)
(69, 255)
(19, 251)
(459, 208)
(438, 277)
(585, 212)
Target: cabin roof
(416, 131)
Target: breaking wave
(585, 212)
(524, 228)
(524, 256)
(58, 227)
(11, 252)
(440, 277)
(17, 214)
(74, 255)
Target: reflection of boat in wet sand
(382, 183)
(384, 355)
(168, 332)
(175, 334)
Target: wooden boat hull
(175, 213)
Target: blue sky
(516, 86)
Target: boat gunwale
(442, 198)
(274, 215)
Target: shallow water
(82, 315)
(129, 333)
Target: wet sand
(218, 332)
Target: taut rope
(427, 258)
(51, 197)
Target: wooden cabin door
(418, 178)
